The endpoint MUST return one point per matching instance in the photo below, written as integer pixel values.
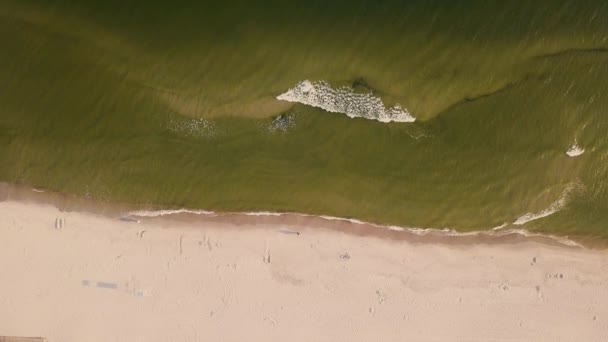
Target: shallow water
(176, 106)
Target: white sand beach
(73, 276)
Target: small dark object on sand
(344, 256)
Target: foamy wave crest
(500, 227)
(346, 101)
(553, 208)
(562, 240)
(165, 212)
(262, 213)
(575, 151)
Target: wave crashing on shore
(556, 206)
(345, 100)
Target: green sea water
(174, 105)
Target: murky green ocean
(173, 104)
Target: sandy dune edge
(71, 276)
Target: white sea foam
(575, 151)
(500, 227)
(197, 127)
(396, 228)
(333, 218)
(262, 213)
(165, 212)
(552, 209)
(439, 232)
(345, 100)
(563, 240)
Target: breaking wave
(575, 151)
(165, 212)
(552, 209)
(345, 100)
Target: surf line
(495, 232)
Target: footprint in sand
(226, 299)
(539, 293)
(59, 223)
(208, 243)
(266, 257)
(381, 296)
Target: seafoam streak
(345, 100)
(552, 209)
(496, 232)
(165, 212)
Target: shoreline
(497, 235)
(79, 276)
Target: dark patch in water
(563, 53)
(360, 83)
(500, 90)
(282, 123)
